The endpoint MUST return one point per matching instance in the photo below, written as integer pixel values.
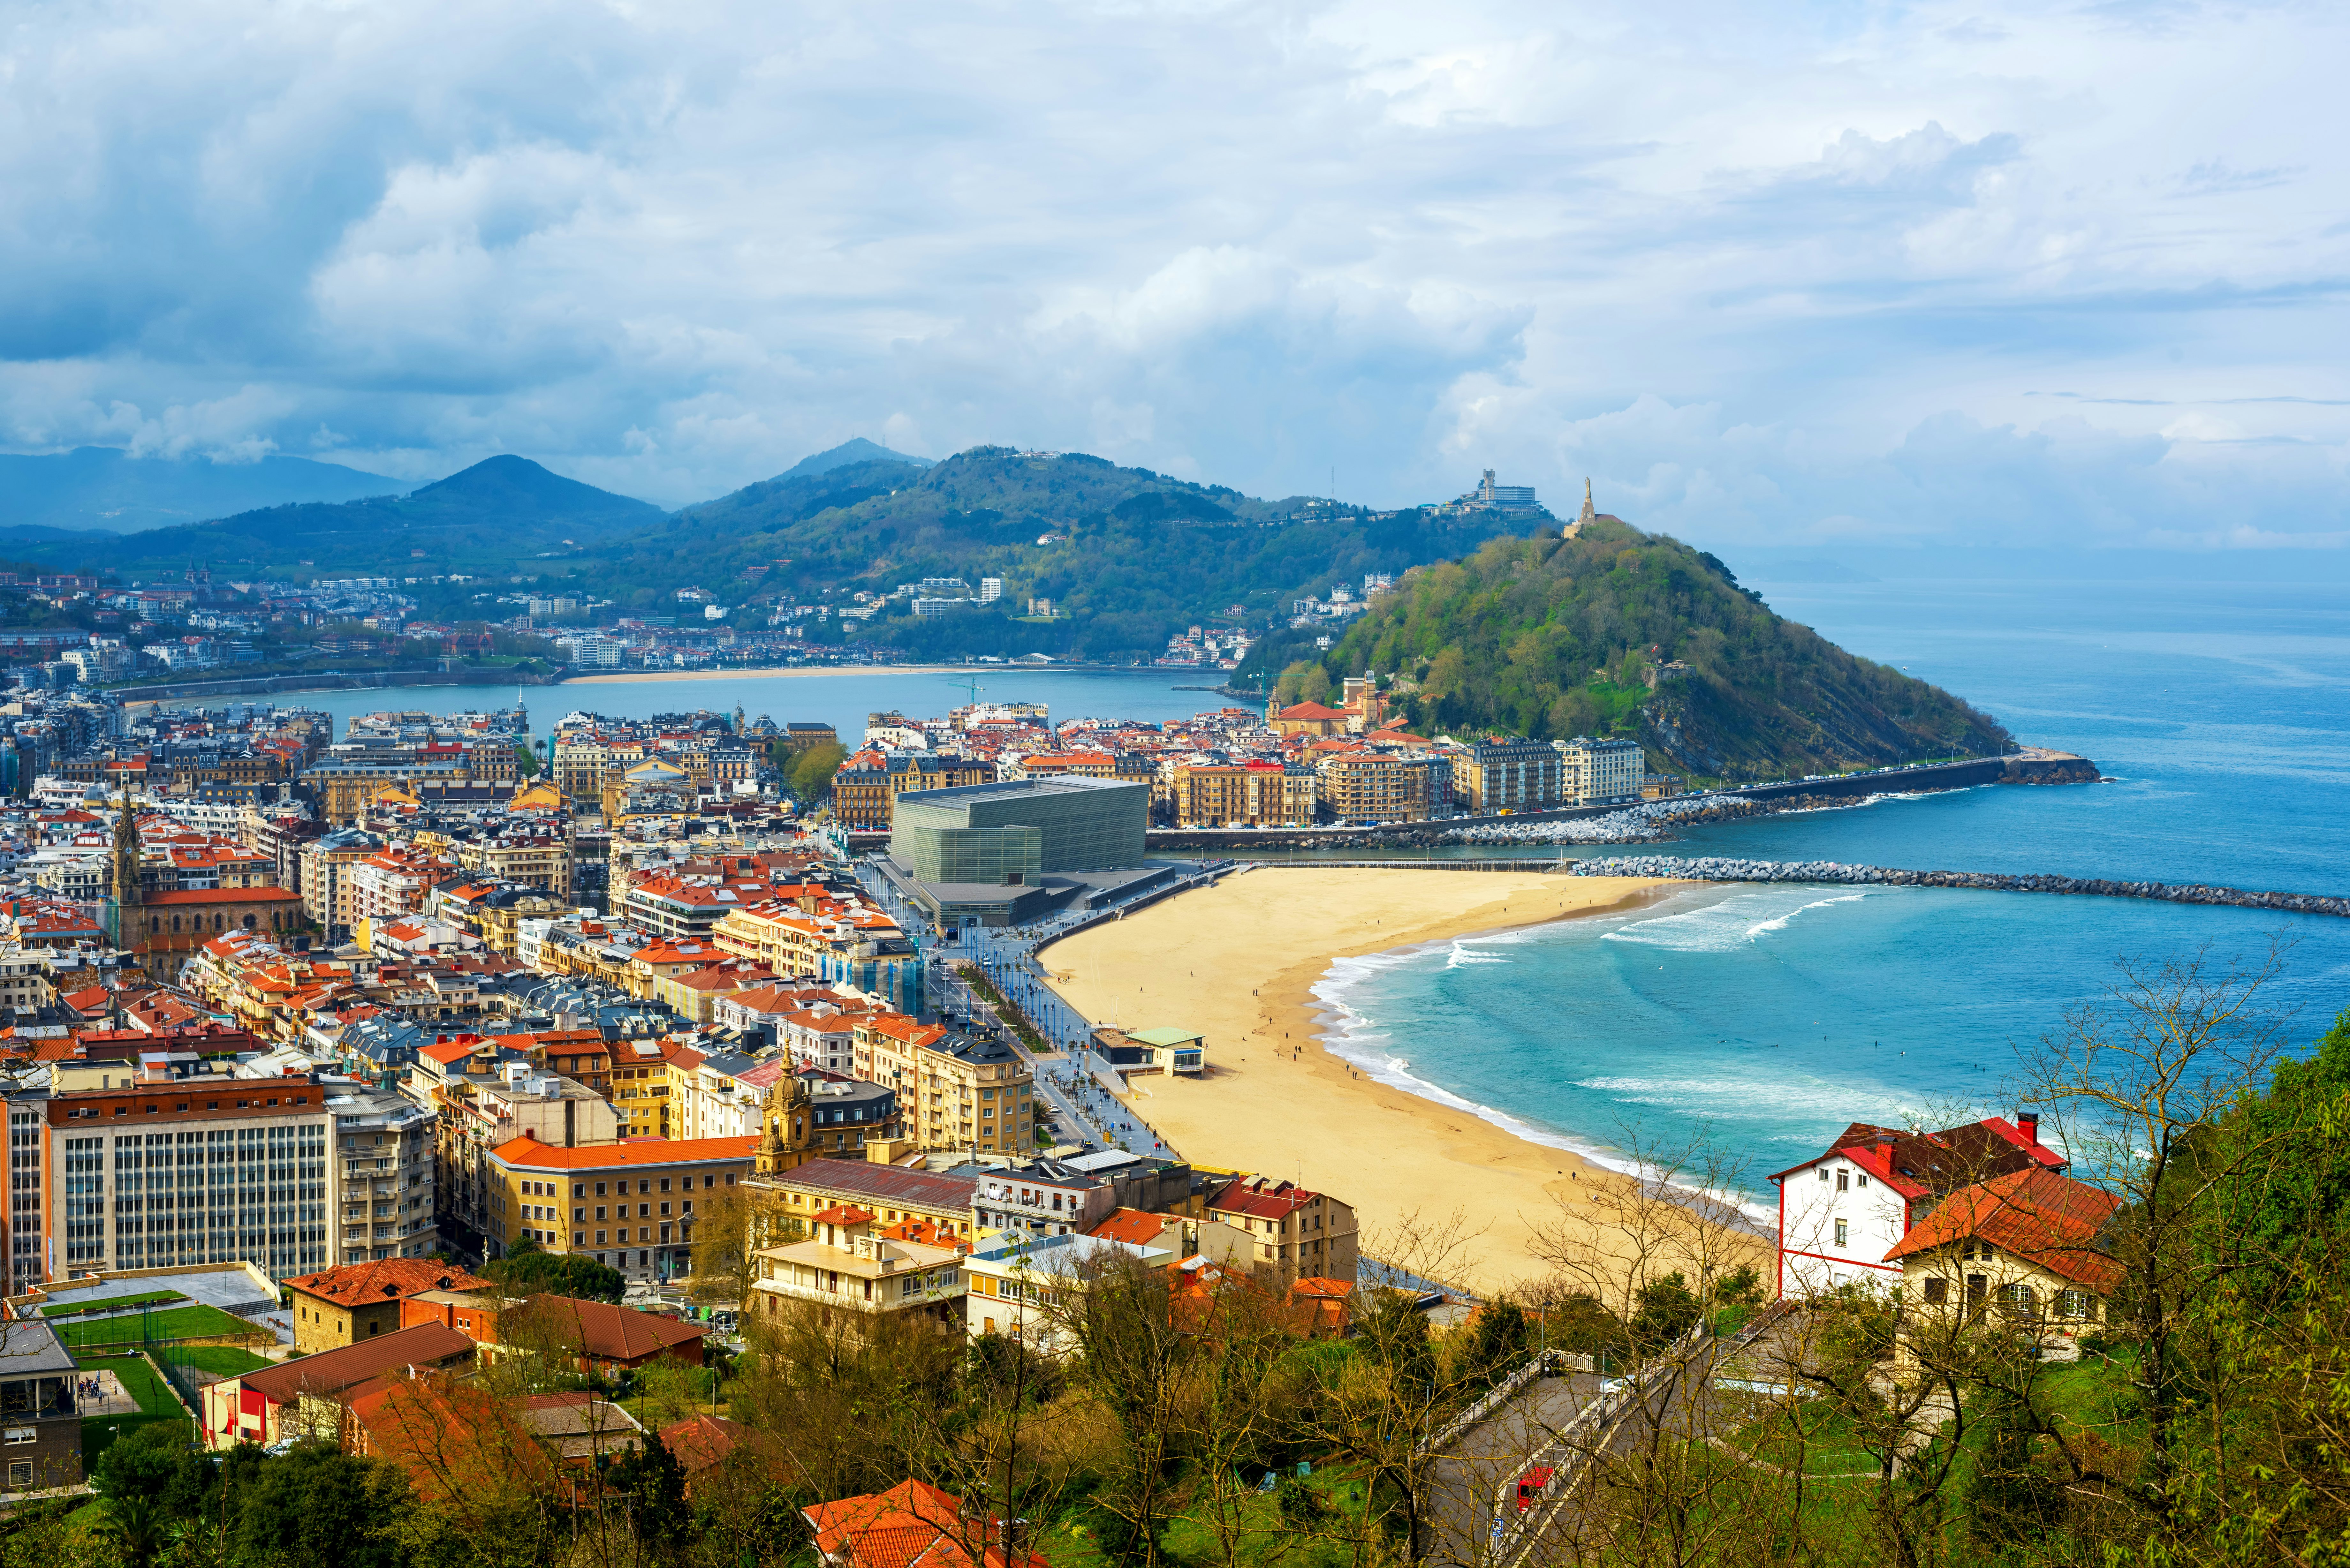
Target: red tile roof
(700, 1442)
(528, 1153)
(386, 1280)
(331, 1371)
(2048, 1220)
(604, 1332)
(1274, 1201)
(913, 1526)
(1135, 1226)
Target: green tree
(1667, 1309)
(529, 1269)
(1314, 687)
(139, 1526)
(652, 1483)
(322, 1508)
(1289, 690)
(2013, 1499)
(1499, 1339)
(811, 774)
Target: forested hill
(1552, 638)
(1128, 556)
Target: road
(1674, 1399)
(1457, 1502)
(1082, 1109)
(1468, 1504)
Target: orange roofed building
(2024, 1246)
(913, 1526)
(1307, 718)
(629, 1205)
(343, 1306)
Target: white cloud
(1935, 271)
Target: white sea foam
(1720, 928)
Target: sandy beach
(764, 673)
(1237, 962)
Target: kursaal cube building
(1006, 853)
(1014, 830)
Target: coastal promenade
(2031, 766)
(1709, 869)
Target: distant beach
(762, 673)
(1239, 961)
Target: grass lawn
(1811, 1435)
(197, 1322)
(1264, 1534)
(226, 1360)
(156, 1403)
(68, 1309)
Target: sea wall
(1708, 869)
(1651, 820)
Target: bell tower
(787, 1141)
(125, 866)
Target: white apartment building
(1601, 772)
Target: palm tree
(140, 1525)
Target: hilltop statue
(1586, 516)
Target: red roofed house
(606, 1338)
(1292, 1233)
(1841, 1212)
(2025, 1243)
(307, 1397)
(913, 1525)
(343, 1306)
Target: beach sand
(1236, 961)
(764, 673)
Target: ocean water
(1759, 1021)
(841, 698)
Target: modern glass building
(1019, 828)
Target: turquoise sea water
(1766, 1018)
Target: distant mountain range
(96, 487)
(482, 520)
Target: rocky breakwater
(1708, 870)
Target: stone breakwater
(1643, 824)
(1706, 869)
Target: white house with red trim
(1841, 1212)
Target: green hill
(1551, 637)
(1130, 556)
(482, 519)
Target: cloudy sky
(2041, 272)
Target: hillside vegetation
(1552, 638)
(1128, 556)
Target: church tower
(787, 1141)
(1586, 517)
(125, 858)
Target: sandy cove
(1237, 962)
